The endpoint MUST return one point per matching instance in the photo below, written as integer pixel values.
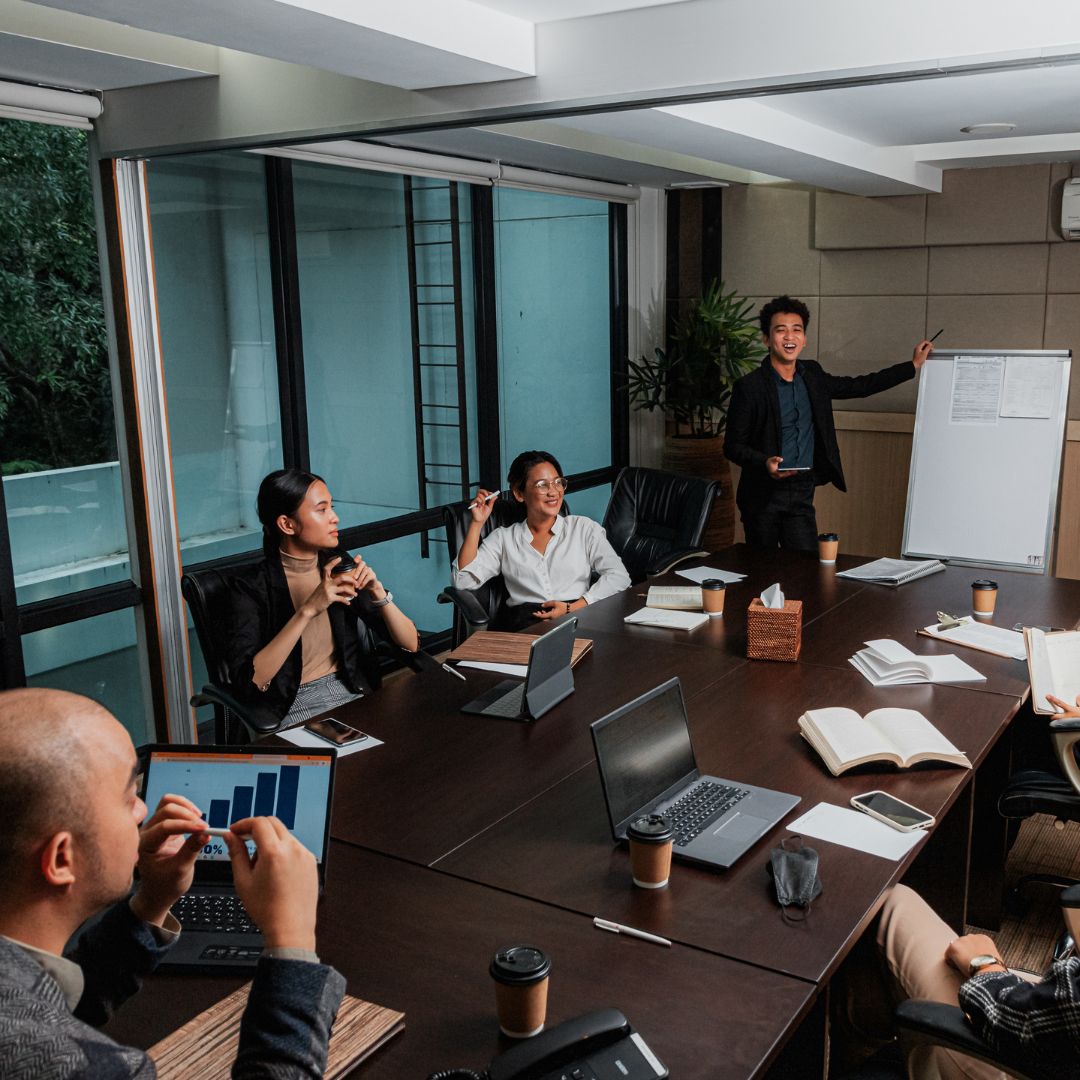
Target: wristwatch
(387, 599)
(977, 963)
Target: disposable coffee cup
(983, 597)
(521, 988)
(712, 597)
(827, 545)
(346, 566)
(650, 851)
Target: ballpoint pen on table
(629, 931)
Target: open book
(903, 737)
(1054, 667)
(675, 597)
(892, 571)
(888, 663)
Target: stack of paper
(888, 663)
(982, 636)
(892, 571)
(706, 573)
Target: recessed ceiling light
(987, 129)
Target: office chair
(207, 595)
(1034, 791)
(656, 519)
(474, 609)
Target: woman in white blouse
(547, 562)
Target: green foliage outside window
(55, 402)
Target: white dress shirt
(578, 548)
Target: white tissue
(772, 597)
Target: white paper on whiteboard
(976, 389)
(1031, 387)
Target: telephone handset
(597, 1046)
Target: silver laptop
(647, 766)
(548, 680)
(228, 783)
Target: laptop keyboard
(703, 804)
(218, 912)
(508, 705)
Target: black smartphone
(334, 731)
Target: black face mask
(793, 869)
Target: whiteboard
(986, 457)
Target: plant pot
(697, 456)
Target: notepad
(1053, 666)
(893, 572)
(888, 663)
(669, 620)
(990, 639)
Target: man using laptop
(69, 843)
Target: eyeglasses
(558, 483)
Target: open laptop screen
(231, 783)
(643, 750)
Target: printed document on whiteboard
(976, 389)
(1031, 384)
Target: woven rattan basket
(772, 633)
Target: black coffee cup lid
(828, 536)
(520, 965)
(712, 583)
(346, 565)
(984, 583)
(653, 829)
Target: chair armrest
(258, 720)
(472, 611)
(1070, 724)
(945, 1025)
(671, 559)
(1065, 734)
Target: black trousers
(788, 521)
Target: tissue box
(772, 633)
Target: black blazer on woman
(261, 606)
(753, 423)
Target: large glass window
(554, 331)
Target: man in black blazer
(780, 428)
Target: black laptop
(548, 680)
(228, 783)
(647, 766)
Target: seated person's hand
(483, 505)
(166, 859)
(365, 579)
(552, 609)
(772, 467)
(1065, 710)
(333, 589)
(279, 887)
(964, 949)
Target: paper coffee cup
(650, 851)
(521, 987)
(983, 596)
(712, 597)
(828, 544)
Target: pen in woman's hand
(487, 498)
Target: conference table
(462, 834)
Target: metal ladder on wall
(435, 308)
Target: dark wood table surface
(558, 848)
(410, 938)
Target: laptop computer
(647, 766)
(548, 680)
(228, 783)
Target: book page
(676, 597)
(849, 736)
(910, 733)
(1063, 651)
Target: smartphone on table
(334, 731)
(893, 811)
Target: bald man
(69, 844)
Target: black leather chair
(474, 609)
(656, 519)
(1033, 791)
(207, 594)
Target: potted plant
(715, 343)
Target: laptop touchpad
(741, 827)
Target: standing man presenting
(780, 428)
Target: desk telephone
(598, 1046)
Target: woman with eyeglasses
(301, 639)
(547, 562)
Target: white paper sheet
(854, 829)
(703, 573)
(1031, 384)
(517, 670)
(976, 389)
(299, 736)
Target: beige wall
(984, 260)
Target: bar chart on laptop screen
(229, 787)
